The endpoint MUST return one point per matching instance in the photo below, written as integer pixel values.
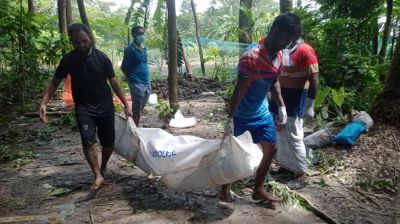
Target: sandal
(296, 184)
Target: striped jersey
(261, 68)
(294, 81)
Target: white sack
(179, 121)
(187, 162)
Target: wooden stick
(396, 143)
(91, 218)
(319, 213)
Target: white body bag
(186, 162)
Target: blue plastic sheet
(350, 133)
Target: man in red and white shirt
(299, 85)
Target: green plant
(55, 191)
(165, 111)
(189, 107)
(381, 185)
(329, 103)
(289, 197)
(70, 121)
(8, 153)
(330, 164)
(227, 94)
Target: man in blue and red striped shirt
(259, 68)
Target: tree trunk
(62, 21)
(196, 22)
(31, 6)
(394, 37)
(187, 63)
(68, 12)
(82, 12)
(386, 31)
(245, 21)
(387, 105)
(285, 6)
(375, 39)
(172, 57)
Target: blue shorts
(261, 129)
(140, 95)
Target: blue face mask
(140, 38)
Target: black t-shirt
(89, 75)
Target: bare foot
(97, 183)
(225, 196)
(262, 195)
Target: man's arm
(237, 95)
(121, 95)
(276, 94)
(48, 94)
(126, 60)
(314, 83)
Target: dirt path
(52, 179)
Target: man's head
(284, 29)
(80, 37)
(138, 34)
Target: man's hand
(42, 113)
(282, 115)
(128, 111)
(228, 129)
(309, 111)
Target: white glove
(309, 111)
(282, 115)
(228, 129)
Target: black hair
(135, 29)
(77, 27)
(289, 22)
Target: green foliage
(220, 57)
(28, 53)
(189, 107)
(141, 14)
(329, 104)
(55, 191)
(329, 164)
(345, 57)
(8, 153)
(69, 120)
(381, 185)
(224, 19)
(227, 94)
(289, 197)
(165, 111)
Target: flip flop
(296, 184)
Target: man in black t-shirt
(90, 69)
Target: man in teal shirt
(134, 66)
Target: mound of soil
(189, 87)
